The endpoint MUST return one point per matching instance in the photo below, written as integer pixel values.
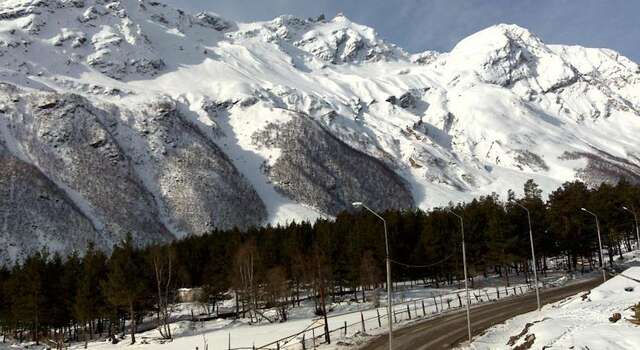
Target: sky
(419, 25)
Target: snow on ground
(218, 333)
(580, 322)
(241, 334)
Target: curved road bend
(448, 330)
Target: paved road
(448, 330)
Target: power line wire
(420, 266)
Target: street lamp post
(604, 274)
(388, 260)
(533, 253)
(464, 263)
(635, 217)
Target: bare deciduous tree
(370, 273)
(162, 262)
(246, 286)
(277, 290)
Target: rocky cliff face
(36, 213)
(93, 173)
(71, 142)
(317, 169)
(336, 41)
(134, 117)
(196, 184)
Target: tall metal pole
(635, 217)
(464, 263)
(388, 261)
(389, 286)
(533, 253)
(604, 274)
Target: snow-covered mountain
(132, 116)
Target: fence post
(487, 294)
(327, 334)
(424, 311)
(395, 316)
(304, 346)
(506, 291)
(435, 302)
(409, 312)
(459, 299)
(521, 290)
(313, 337)
(378, 313)
(278, 346)
(514, 290)
(229, 341)
(498, 292)
(448, 303)
(364, 330)
(345, 328)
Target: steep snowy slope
(139, 117)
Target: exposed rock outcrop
(35, 213)
(317, 169)
(78, 172)
(197, 183)
(66, 137)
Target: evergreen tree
(125, 283)
(28, 297)
(568, 223)
(89, 302)
(5, 304)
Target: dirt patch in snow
(528, 340)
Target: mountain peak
(510, 30)
(335, 41)
(505, 54)
(287, 113)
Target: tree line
(78, 298)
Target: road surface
(446, 331)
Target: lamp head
(625, 208)
(357, 204)
(583, 209)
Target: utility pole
(635, 217)
(388, 260)
(533, 253)
(464, 263)
(604, 274)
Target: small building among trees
(189, 295)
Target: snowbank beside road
(580, 322)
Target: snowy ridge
(335, 41)
(500, 108)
